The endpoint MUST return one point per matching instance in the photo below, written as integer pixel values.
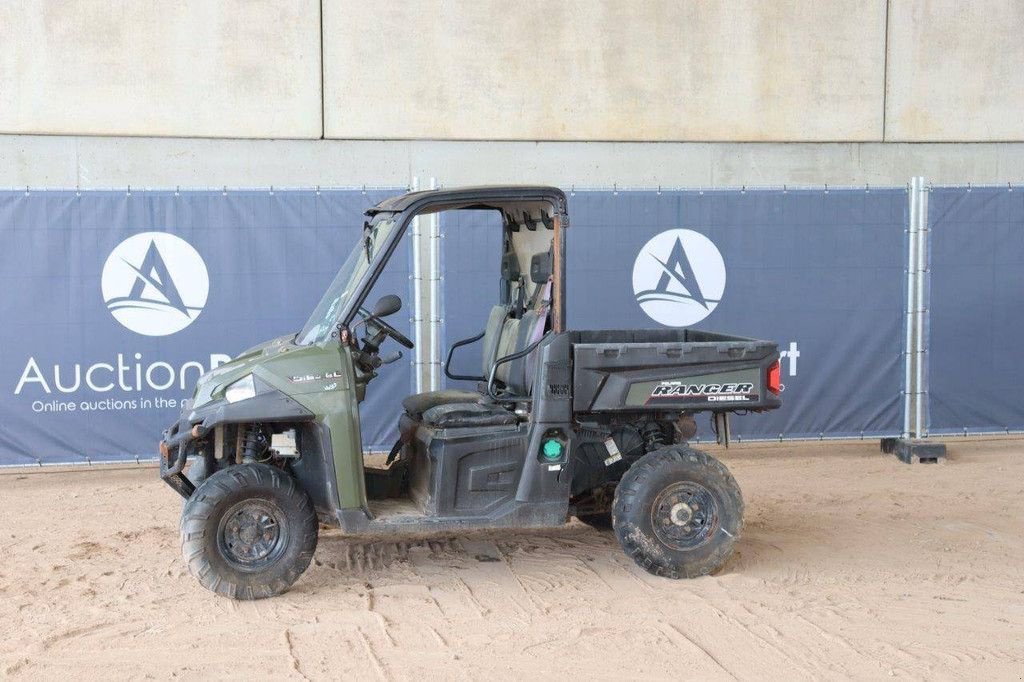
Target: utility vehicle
(561, 423)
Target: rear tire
(248, 532)
(678, 512)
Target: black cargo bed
(651, 369)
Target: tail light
(775, 378)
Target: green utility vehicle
(561, 423)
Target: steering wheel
(386, 328)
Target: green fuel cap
(552, 449)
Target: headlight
(243, 389)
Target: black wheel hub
(685, 515)
(251, 535)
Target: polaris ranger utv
(562, 422)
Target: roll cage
(505, 198)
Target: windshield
(325, 315)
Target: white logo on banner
(679, 277)
(155, 283)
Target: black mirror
(387, 305)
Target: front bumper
(174, 454)
(267, 406)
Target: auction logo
(155, 283)
(678, 277)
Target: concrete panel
(955, 71)
(645, 70)
(230, 68)
(104, 162)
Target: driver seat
(418, 403)
(504, 335)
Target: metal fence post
(921, 355)
(434, 255)
(910, 448)
(908, 350)
(416, 245)
(917, 265)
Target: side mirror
(387, 305)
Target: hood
(280, 364)
(214, 381)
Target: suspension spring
(252, 443)
(654, 436)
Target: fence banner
(820, 272)
(976, 315)
(114, 302)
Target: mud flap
(722, 429)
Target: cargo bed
(631, 370)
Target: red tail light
(775, 378)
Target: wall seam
(885, 72)
(323, 91)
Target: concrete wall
(229, 68)
(644, 70)
(956, 70)
(605, 69)
(97, 162)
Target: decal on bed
(708, 392)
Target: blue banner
(114, 302)
(821, 272)
(976, 309)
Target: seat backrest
(492, 335)
(518, 334)
(512, 293)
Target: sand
(851, 565)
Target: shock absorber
(251, 444)
(654, 436)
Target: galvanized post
(416, 246)
(910, 447)
(434, 253)
(921, 313)
(908, 349)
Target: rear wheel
(678, 512)
(248, 532)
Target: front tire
(678, 512)
(248, 532)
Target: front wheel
(248, 532)
(678, 512)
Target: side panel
(694, 376)
(466, 471)
(545, 480)
(332, 398)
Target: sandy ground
(851, 565)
